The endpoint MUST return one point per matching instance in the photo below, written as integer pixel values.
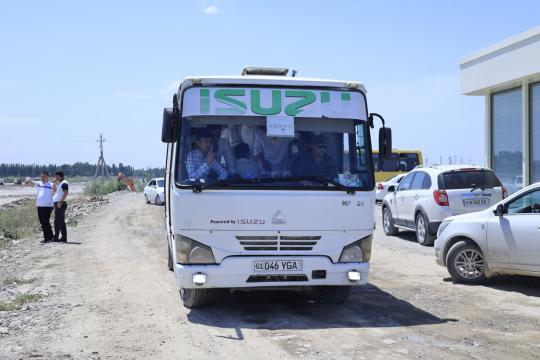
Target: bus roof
(272, 81)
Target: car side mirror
(500, 210)
(391, 188)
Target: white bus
(269, 184)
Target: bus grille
(278, 243)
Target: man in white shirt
(272, 152)
(44, 204)
(61, 190)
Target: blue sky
(69, 71)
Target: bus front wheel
(193, 298)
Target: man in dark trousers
(61, 189)
(44, 203)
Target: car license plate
(476, 202)
(277, 265)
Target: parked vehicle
(503, 239)
(154, 191)
(399, 162)
(277, 225)
(427, 196)
(382, 187)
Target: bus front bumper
(238, 272)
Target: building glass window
(535, 132)
(507, 141)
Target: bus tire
(193, 298)
(334, 295)
(170, 262)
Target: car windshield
(468, 179)
(396, 162)
(161, 183)
(245, 151)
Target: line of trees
(76, 169)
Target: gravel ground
(108, 295)
(10, 192)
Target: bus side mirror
(167, 129)
(500, 210)
(385, 142)
(171, 122)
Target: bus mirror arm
(171, 122)
(385, 136)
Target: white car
(154, 191)
(504, 239)
(427, 196)
(382, 187)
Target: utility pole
(101, 165)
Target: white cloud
(211, 10)
(133, 95)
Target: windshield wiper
(325, 180)
(198, 187)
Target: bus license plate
(476, 202)
(277, 265)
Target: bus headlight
(359, 251)
(189, 251)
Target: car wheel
(170, 262)
(146, 199)
(333, 294)
(193, 298)
(157, 201)
(466, 263)
(388, 223)
(423, 235)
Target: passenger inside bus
(317, 162)
(272, 153)
(202, 161)
(246, 168)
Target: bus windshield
(245, 152)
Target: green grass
(103, 187)
(19, 301)
(19, 222)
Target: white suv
(427, 196)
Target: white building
(507, 74)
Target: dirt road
(108, 295)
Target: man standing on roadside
(61, 188)
(44, 203)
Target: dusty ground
(10, 192)
(108, 295)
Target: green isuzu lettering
(294, 108)
(235, 106)
(238, 107)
